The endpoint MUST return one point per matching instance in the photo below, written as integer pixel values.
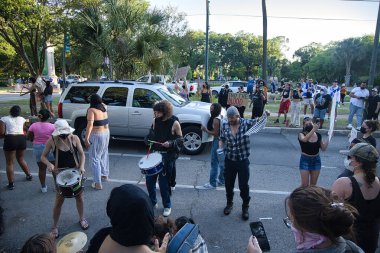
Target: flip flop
(93, 185)
(83, 224)
(54, 233)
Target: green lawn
(24, 104)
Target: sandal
(93, 185)
(83, 224)
(54, 233)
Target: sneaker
(167, 212)
(29, 177)
(207, 186)
(349, 126)
(245, 213)
(227, 210)
(44, 189)
(11, 186)
(173, 188)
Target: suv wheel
(192, 140)
(81, 130)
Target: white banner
(332, 118)
(182, 73)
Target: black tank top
(286, 93)
(205, 97)
(65, 158)
(311, 148)
(296, 95)
(369, 212)
(163, 132)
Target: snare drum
(151, 164)
(69, 182)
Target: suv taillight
(191, 87)
(60, 110)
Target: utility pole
(372, 68)
(265, 40)
(207, 28)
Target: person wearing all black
(166, 131)
(322, 104)
(257, 102)
(223, 96)
(48, 97)
(373, 105)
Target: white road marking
(178, 186)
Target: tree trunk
(347, 77)
(265, 40)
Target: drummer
(68, 153)
(167, 136)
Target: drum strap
(73, 151)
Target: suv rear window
(80, 95)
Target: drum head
(68, 177)
(150, 161)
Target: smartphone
(257, 229)
(317, 120)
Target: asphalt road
(274, 174)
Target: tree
(28, 26)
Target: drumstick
(156, 142)
(150, 146)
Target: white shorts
(308, 101)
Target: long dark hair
(214, 113)
(97, 102)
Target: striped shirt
(236, 148)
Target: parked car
(166, 80)
(130, 111)
(72, 78)
(233, 85)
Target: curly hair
(165, 107)
(314, 210)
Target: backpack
(184, 240)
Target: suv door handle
(136, 113)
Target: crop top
(101, 122)
(311, 148)
(13, 125)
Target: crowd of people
(337, 220)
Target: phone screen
(257, 229)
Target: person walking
(39, 133)
(343, 91)
(362, 190)
(32, 96)
(97, 140)
(358, 97)
(307, 96)
(12, 127)
(206, 93)
(167, 137)
(236, 147)
(217, 167)
(310, 161)
(48, 97)
(257, 102)
(373, 105)
(68, 153)
(322, 104)
(295, 106)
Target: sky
(232, 16)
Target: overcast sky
(231, 16)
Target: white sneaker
(44, 189)
(156, 206)
(167, 212)
(173, 188)
(349, 126)
(207, 186)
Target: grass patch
(24, 104)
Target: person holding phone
(318, 222)
(310, 161)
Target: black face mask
(362, 88)
(363, 130)
(308, 128)
(63, 136)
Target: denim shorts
(48, 98)
(320, 113)
(37, 151)
(310, 162)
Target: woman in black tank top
(362, 190)
(68, 153)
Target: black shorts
(14, 142)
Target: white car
(233, 85)
(72, 78)
(130, 113)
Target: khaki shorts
(308, 101)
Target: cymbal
(72, 242)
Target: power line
(290, 17)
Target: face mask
(307, 240)
(362, 88)
(63, 136)
(308, 128)
(363, 130)
(347, 164)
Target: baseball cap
(365, 151)
(374, 89)
(232, 111)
